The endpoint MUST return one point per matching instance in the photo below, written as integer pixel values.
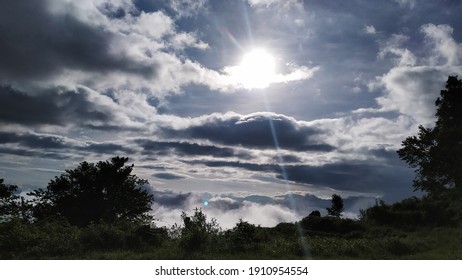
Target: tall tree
(336, 207)
(436, 152)
(93, 193)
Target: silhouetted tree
(336, 207)
(93, 193)
(8, 200)
(436, 152)
(315, 213)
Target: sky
(261, 109)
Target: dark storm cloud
(262, 131)
(36, 44)
(52, 107)
(184, 149)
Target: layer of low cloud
(259, 210)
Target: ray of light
(281, 165)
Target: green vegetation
(312, 238)
(100, 211)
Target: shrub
(197, 231)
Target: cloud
(33, 154)
(60, 106)
(412, 85)
(35, 140)
(235, 77)
(370, 29)
(349, 176)
(188, 8)
(446, 50)
(72, 57)
(406, 3)
(183, 149)
(297, 73)
(41, 144)
(107, 148)
(258, 130)
(228, 209)
(287, 4)
(170, 199)
(394, 47)
(43, 44)
(98, 44)
(169, 176)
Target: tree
(436, 152)
(93, 193)
(8, 200)
(197, 231)
(315, 213)
(336, 207)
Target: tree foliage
(8, 200)
(336, 207)
(12, 205)
(93, 193)
(196, 232)
(436, 152)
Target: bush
(48, 239)
(410, 212)
(330, 225)
(286, 229)
(103, 237)
(197, 232)
(244, 237)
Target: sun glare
(256, 70)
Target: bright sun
(256, 70)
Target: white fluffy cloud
(370, 29)
(412, 86)
(446, 51)
(188, 8)
(151, 41)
